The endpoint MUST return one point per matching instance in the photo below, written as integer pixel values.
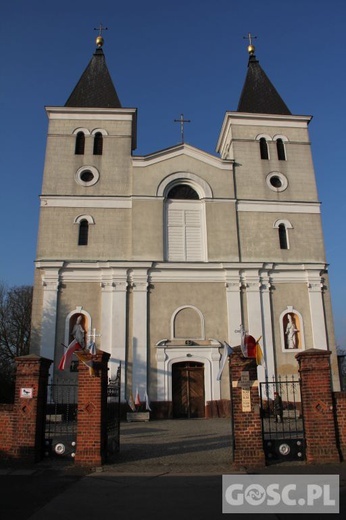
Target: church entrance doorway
(188, 390)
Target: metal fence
(61, 418)
(113, 415)
(282, 419)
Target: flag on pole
(92, 348)
(137, 400)
(242, 341)
(227, 351)
(131, 402)
(66, 359)
(86, 359)
(147, 403)
(259, 355)
(250, 346)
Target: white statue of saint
(291, 333)
(78, 332)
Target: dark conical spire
(259, 96)
(95, 88)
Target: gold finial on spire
(99, 39)
(251, 47)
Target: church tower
(84, 212)
(160, 258)
(279, 222)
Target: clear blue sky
(169, 57)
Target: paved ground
(166, 469)
(179, 446)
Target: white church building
(165, 256)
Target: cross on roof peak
(182, 121)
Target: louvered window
(185, 232)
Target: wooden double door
(188, 390)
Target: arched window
(98, 143)
(263, 148)
(280, 150)
(183, 191)
(83, 233)
(283, 236)
(283, 226)
(185, 225)
(80, 143)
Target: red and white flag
(66, 359)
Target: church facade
(162, 257)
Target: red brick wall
(6, 430)
(22, 428)
(340, 409)
(317, 402)
(92, 413)
(247, 427)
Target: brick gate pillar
(92, 411)
(317, 404)
(30, 408)
(247, 427)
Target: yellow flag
(259, 354)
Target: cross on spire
(182, 121)
(100, 29)
(250, 37)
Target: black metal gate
(282, 420)
(113, 415)
(61, 419)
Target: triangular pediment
(180, 150)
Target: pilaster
(253, 285)
(234, 315)
(139, 286)
(50, 282)
(319, 336)
(267, 339)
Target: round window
(276, 181)
(87, 176)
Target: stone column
(92, 409)
(247, 428)
(317, 405)
(30, 408)
(267, 340)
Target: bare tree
(15, 331)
